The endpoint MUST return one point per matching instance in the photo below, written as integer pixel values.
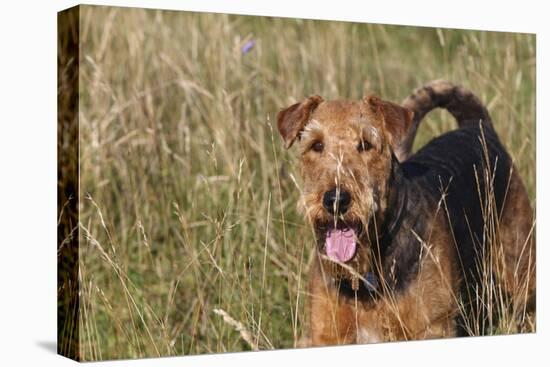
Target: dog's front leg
(332, 318)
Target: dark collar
(368, 288)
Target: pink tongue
(340, 245)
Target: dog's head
(346, 161)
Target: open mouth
(347, 255)
(340, 242)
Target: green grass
(188, 198)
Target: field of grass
(191, 241)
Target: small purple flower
(248, 46)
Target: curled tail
(466, 108)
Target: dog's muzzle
(336, 201)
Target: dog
(405, 243)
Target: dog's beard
(359, 262)
(343, 258)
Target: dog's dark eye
(364, 146)
(317, 147)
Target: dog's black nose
(336, 202)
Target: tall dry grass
(190, 237)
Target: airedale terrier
(403, 241)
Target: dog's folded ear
(397, 120)
(291, 120)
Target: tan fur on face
(341, 126)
